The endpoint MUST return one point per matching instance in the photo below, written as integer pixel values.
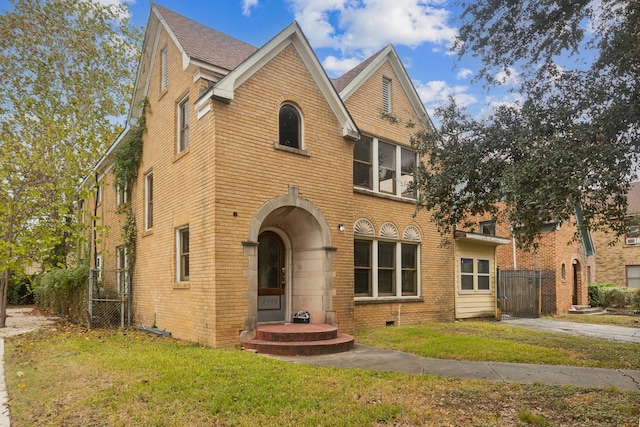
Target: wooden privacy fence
(519, 293)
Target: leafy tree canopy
(68, 68)
(571, 140)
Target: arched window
(290, 126)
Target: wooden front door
(271, 278)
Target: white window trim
(121, 196)
(184, 100)
(627, 267)
(375, 165)
(146, 202)
(397, 271)
(476, 274)
(179, 253)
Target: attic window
(289, 126)
(164, 68)
(386, 94)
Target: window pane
(362, 175)
(409, 282)
(633, 276)
(184, 234)
(386, 254)
(488, 228)
(408, 165)
(466, 265)
(483, 282)
(289, 126)
(362, 149)
(362, 253)
(387, 167)
(362, 282)
(467, 282)
(268, 263)
(385, 282)
(409, 256)
(483, 266)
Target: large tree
(67, 68)
(572, 141)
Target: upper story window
(633, 234)
(386, 94)
(394, 165)
(122, 195)
(164, 68)
(290, 126)
(148, 195)
(183, 124)
(488, 227)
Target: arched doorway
(306, 270)
(577, 282)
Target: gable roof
(348, 84)
(343, 81)
(292, 35)
(201, 43)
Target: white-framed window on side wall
(386, 266)
(183, 124)
(182, 254)
(384, 167)
(148, 201)
(475, 274)
(122, 265)
(633, 276)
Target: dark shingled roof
(341, 82)
(206, 44)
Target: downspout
(515, 256)
(95, 216)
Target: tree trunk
(4, 286)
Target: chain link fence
(109, 303)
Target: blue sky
(345, 32)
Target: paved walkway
(367, 357)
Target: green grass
(491, 341)
(73, 377)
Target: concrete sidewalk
(373, 358)
(606, 332)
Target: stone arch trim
(292, 199)
(364, 227)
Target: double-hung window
(474, 274)
(384, 167)
(148, 194)
(385, 266)
(632, 236)
(183, 124)
(182, 254)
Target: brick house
(266, 188)
(567, 266)
(620, 263)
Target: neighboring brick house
(266, 188)
(619, 263)
(566, 267)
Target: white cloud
(508, 77)
(464, 73)
(338, 66)
(117, 3)
(437, 92)
(368, 25)
(247, 5)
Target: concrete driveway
(613, 333)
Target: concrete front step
(299, 339)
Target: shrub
(596, 290)
(64, 290)
(20, 290)
(635, 301)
